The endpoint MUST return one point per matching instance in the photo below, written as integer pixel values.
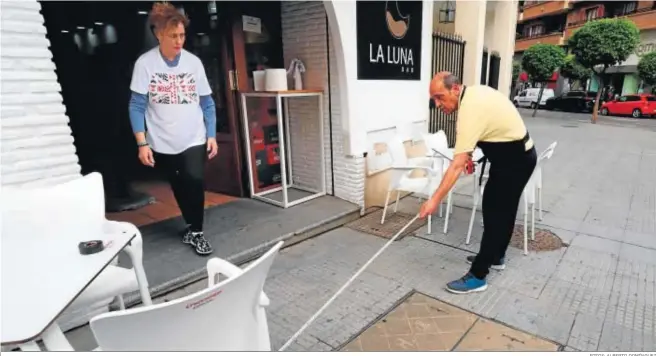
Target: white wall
(376, 107)
(37, 146)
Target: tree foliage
(647, 68)
(574, 70)
(516, 69)
(604, 43)
(540, 61)
(601, 44)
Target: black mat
(232, 228)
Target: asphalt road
(642, 123)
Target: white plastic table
(41, 277)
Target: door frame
(233, 59)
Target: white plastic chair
(80, 205)
(438, 149)
(437, 143)
(228, 316)
(530, 197)
(401, 170)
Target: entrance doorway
(95, 46)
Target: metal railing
(448, 55)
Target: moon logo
(397, 24)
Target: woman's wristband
(142, 144)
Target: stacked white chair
(80, 205)
(401, 170)
(534, 186)
(228, 316)
(437, 145)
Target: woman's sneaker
(499, 266)
(187, 236)
(198, 241)
(201, 244)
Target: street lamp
(448, 12)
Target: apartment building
(553, 22)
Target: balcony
(644, 20)
(554, 38)
(543, 8)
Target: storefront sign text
(389, 39)
(644, 48)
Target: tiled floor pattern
(421, 323)
(165, 206)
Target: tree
(516, 69)
(647, 69)
(601, 44)
(540, 61)
(574, 71)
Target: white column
(470, 24)
(505, 20)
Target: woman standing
(174, 118)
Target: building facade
(553, 22)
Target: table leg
(54, 339)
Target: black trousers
(511, 167)
(185, 172)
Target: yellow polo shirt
(485, 114)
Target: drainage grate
(370, 224)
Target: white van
(527, 98)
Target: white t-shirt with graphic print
(174, 118)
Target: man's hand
(212, 147)
(428, 208)
(146, 156)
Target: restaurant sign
(389, 39)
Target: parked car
(573, 100)
(636, 105)
(529, 97)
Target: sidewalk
(599, 293)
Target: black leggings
(503, 190)
(185, 172)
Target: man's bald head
(445, 91)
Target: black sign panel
(389, 39)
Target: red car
(636, 105)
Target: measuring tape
(305, 326)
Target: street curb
(250, 254)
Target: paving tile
(603, 261)
(490, 336)
(640, 239)
(560, 296)
(538, 318)
(597, 244)
(615, 337)
(630, 252)
(587, 276)
(586, 332)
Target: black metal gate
(448, 55)
(495, 62)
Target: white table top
(41, 277)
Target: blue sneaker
(467, 284)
